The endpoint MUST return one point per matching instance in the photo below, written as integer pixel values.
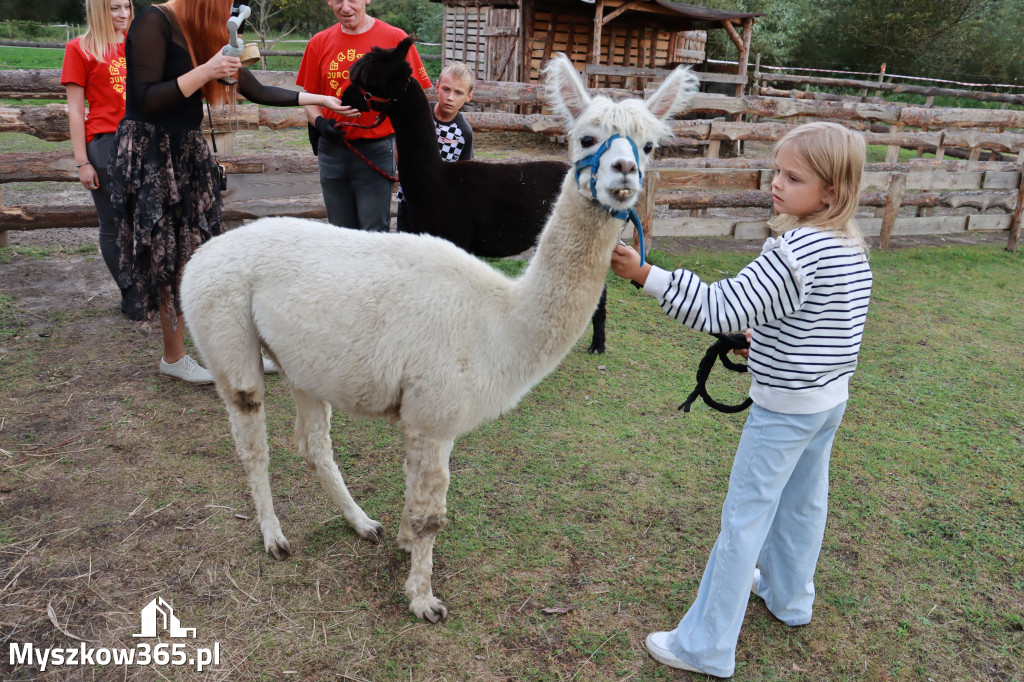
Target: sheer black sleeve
(268, 95)
(148, 50)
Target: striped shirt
(806, 298)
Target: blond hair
(100, 38)
(458, 71)
(835, 154)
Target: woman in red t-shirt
(94, 72)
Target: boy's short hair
(459, 71)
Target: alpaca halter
(593, 161)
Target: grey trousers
(98, 150)
(356, 195)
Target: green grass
(876, 154)
(594, 492)
(30, 58)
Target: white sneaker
(657, 646)
(269, 366)
(186, 369)
(755, 586)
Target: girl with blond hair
(803, 303)
(165, 185)
(94, 73)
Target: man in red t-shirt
(355, 193)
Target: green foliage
(960, 39)
(420, 17)
(71, 11)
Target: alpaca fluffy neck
(415, 138)
(560, 290)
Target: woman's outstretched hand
(335, 105)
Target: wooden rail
(288, 185)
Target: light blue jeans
(773, 518)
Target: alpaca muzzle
(592, 163)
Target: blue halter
(592, 162)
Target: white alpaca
(409, 327)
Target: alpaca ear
(674, 94)
(563, 88)
(403, 47)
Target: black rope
(719, 349)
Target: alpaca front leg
(598, 320)
(313, 438)
(249, 429)
(425, 513)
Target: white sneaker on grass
(186, 369)
(657, 646)
(755, 586)
(269, 366)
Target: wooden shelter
(611, 40)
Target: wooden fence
(944, 196)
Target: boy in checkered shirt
(454, 134)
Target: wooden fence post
(645, 210)
(881, 79)
(6, 241)
(755, 88)
(1018, 217)
(893, 199)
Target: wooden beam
(622, 8)
(595, 38)
(731, 30)
(741, 69)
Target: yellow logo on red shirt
(117, 69)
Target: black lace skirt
(166, 201)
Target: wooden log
(769, 91)
(31, 80)
(927, 90)
(60, 166)
(892, 207)
(720, 179)
(961, 118)
(32, 217)
(703, 199)
(48, 122)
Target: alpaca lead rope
(593, 161)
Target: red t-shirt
(104, 86)
(330, 54)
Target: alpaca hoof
(373, 532)
(596, 350)
(429, 608)
(278, 548)
(405, 543)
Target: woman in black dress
(163, 181)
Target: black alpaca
(491, 210)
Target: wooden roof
(681, 16)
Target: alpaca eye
(648, 147)
(587, 141)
